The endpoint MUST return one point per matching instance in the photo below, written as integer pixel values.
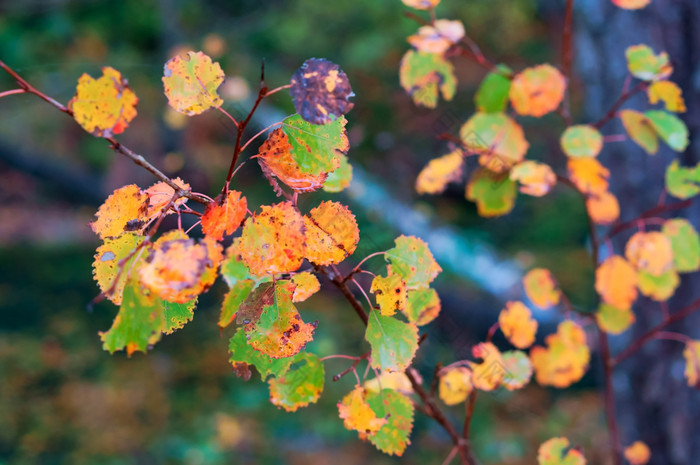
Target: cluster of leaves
(653, 259)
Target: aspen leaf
(616, 282)
(670, 128)
(669, 93)
(224, 215)
(581, 141)
(104, 106)
(261, 296)
(658, 287)
(237, 294)
(488, 374)
(493, 193)
(233, 269)
(395, 380)
(394, 343)
(422, 306)
(614, 320)
(517, 324)
(242, 355)
(556, 451)
(645, 65)
(685, 244)
(331, 233)
(603, 208)
(340, 178)
(565, 359)
(535, 178)
(160, 194)
(631, 4)
(412, 260)
(650, 252)
(397, 409)
(390, 292)
(640, 130)
(421, 4)
(306, 284)
(439, 172)
(637, 453)
(682, 182)
(691, 354)
(492, 96)
(273, 240)
(437, 37)
(191, 82)
(455, 385)
(106, 266)
(589, 176)
(316, 149)
(357, 415)
(498, 139)
(177, 315)
(537, 91)
(518, 369)
(300, 385)
(426, 75)
(320, 90)
(541, 288)
(126, 210)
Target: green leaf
(411, 259)
(242, 353)
(685, 244)
(670, 128)
(682, 182)
(316, 148)
(640, 130)
(340, 178)
(232, 268)
(238, 293)
(645, 65)
(556, 451)
(517, 368)
(423, 75)
(177, 315)
(394, 343)
(497, 138)
(139, 323)
(659, 288)
(581, 141)
(393, 437)
(614, 320)
(299, 386)
(422, 306)
(492, 96)
(493, 193)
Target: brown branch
(652, 212)
(469, 413)
(609, 399)
(626, 95)
(566, 59)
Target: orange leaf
(273, 240)
(603, 208)
(517, 324)
(439, 172)
(589, 176)
(104, 106)
(357, 414)
(691, 353)
(535, 178)
(541, 288)
(616, 282)
(437, 37)
(488, 374)
(224, 217)
(126, 210)
(538, 90)
(637, 453)
(565, 359)
(159, 195)
(331, 233)
(631, 4)
(650, 252)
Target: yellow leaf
(565, 359)
(517, 324)
(306, 285)
(541, 288)
(631, 4)
(390, 292)
(331, 233)
(421, 4)
(637, 453)
(357, 414)
(556, 451)
(126, 210)
(669, 93)
(616, 282)
(439, 172)
(589, 176)
(488, 374)
(455, 385)
(603, 208)
(191, 81)
(394, 380)
(650, 252)
(535, 178)
(538, 90)
(691, 353)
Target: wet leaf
(499, 140)
(439, 172)
(581, 141)
(320, 90)
(412, 260)
(191, 81)
(517, 324)
(614, 320)
(535, 178)
(397, 409)
(556, 451)
(645, 65)
(537, 91)
(331, 233)
(616, 282)
(426, 75)
(394, 343)
(126, 210)
(494, 194)
(541, 288)
(455, 385)
(300, 385)
(390, 292)
(685, 244)
(565, 359)
(224, 216)
(669, 93)
(422, 306)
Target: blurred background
(64, 400)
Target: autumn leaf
(650, 252)
(273, 240)
(640, 130)
(565, 359)
(425, 76)
(108, 263)
(581, 141)
(331, 233)
(589, 176)
(340, 178)
(234, 298)
(682, 182)
(393, 342)
(319, 90)
(614, 320)
(498, 139)
(603, 208)
(492, 96)
(261, 296)
(243, 355)
(224, 215)
(659, 287)
(438, 36)
(541, 288)
(177, 315)
(191, 82)
(631, 4)
(455, 385)
(537, 91)
(535, 178)
(493, 193)
(300, 385)
(126, 210)
(421, 4)
(637, 453)
(670, 128)
(439, 172)
(316, 149)
(685, 244)
(488, 374)
(669, 93)
(393, 437)
(422, 306)
(394, 380)
(357, 415)
(517, 324)
(104, 106)
(412, 260)
(616, 282)
(518, 369)
(160, 194)
(306, 284)
(233, 268)
(390, 292)
(691, 354)
(556, 451)
(645, 65)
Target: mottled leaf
(535, 178)
(541, 288)
(390, 292)
(669, 93)
(537, 91)
(340, 178)
(645, 65)
(300, 385)
(493, 193)
(109, 257)
(224, 215)
(681, 181)
(320, 90)
(357, 415)
(518, 369)
(412, 260)
(393, 437)
(191, 81)
(316, 149)
(565, 359)
(581, 141)
(614, 320)
(498, 139)
(422, 306)
(455, 385)
(125, 210)
(650, 252)
(306, 284)
(426, 75)
(556, 451)
(331, 233)
(658, 287)
(488, 374)
(438, 36)
(242, 353)
(517, 324)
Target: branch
(566, 57)
(626, 95)
(609, 399)
(652, 212)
